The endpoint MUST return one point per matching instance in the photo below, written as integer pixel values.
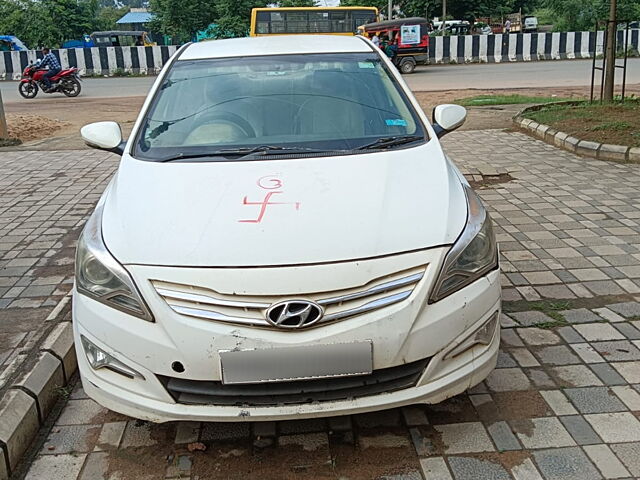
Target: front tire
(71, 87)
(28, 89)
(407, 66)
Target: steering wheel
(227, 118)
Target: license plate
(296, 363)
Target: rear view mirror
(447, 118)
(103, 136)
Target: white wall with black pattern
(515, 47)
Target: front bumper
(401, 333)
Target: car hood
(283, 212)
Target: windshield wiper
(241, 152)
(386, 142)
(183, 156)
(267, 150)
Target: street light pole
(3, 121)
(444, 13)
(390, 9)
(610, 54)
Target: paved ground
(556, 73)
(563, 404)
(44, 201)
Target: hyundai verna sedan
(284, 238)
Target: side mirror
(103, 136)
(448, 117)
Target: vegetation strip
(566, 141)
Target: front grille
(197, 392)
(208, 304)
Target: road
(429, 78)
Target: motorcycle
(67, 81)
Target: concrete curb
(26, 405)
(585, 148)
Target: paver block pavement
(606, 461)
(467, 468)
(580, 430)
(542, 433)
(629, 454)
(569, 230)
(615, 427)
(565, 464)
(467, 437)
(56, 467)
(595, 400)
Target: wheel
(70, 87)
(28, 89)
(407, 66)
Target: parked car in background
(530, 24)
(452, 27)
(284, 238)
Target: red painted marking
(263, 182)
(263, 206)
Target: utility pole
(390, 9)
(3, 121)
(444, 13)
(610, 54)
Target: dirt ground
(53, 124)
(614, 124)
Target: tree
(580, 15)
(182, 19)
(296, 3)
(233, 17)
(381, 5)
(108, 16)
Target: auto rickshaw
(121, 38)
(410, 36)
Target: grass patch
(554, 324)
(549, 306)
(615, 123)
(611, 126)
(64, 392)
(10, 142)
(484, 100)
(551, 310)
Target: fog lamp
(98, 359)
(480, 336)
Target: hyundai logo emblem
(294, 314)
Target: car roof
(275, 45)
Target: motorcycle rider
(51, 61)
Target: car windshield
(334, 104)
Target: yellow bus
(318, 20)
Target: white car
(284, 238)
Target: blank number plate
(296, 363)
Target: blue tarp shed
(136, 17)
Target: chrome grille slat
(401, 282)
(367, 307)
(200, 313)
(204, 303)
(195, 297)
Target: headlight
(473, 255)
(101, 277)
